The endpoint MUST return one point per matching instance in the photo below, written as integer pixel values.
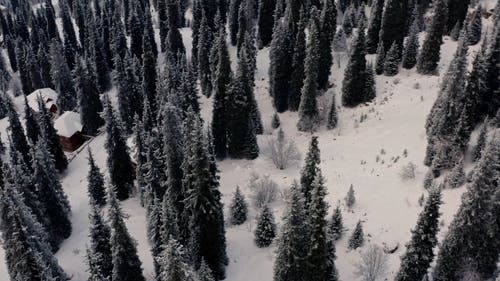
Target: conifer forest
(249, 140)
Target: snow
(387, 205)
(48, 95)
(68, 124)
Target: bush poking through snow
(357, 238)
(373, 264)
(283, 151)
(264, 190)
(408, 171)
(239, 208)
(266, 228)
(350, 199)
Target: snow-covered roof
(48, 95)
(68, 124)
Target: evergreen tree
(265, 232)
(95, 54)
(370, 87)
(336, 225)
(475, 27)
(18, 138)
(481, 141)
(90, 102)
(350, 199)
(393, 26)
(296, 82)
(125, 98)
(33, 69)
(455, 32)
(353, 85)
(294, 240)
(491, 100)
(456, 14)
(328, 26)
(234, 8)
(69, 36)
(310, 169)
(136, 28)
(357, 237)
(100, 257)
(340, 41)
(126, 263)
(174, 264)
(391, 63)
(95, 181)
(238, 208)
(61, 78)
(31, 124)
(308, 108)
(275, 122)
(380, 59)
(332, 115)
(119, 163)
(372, 34)
(470, 238)
(44, 65)
(205, 38)
(412, 45)
(429, 55)
(348, 21)
(456, 177)
(149, 75)
(265, 21)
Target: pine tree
(336, 225)
(50, 194)
(70, 43)
(308, 108)
(125, 98)
(265, 231)
(100, 257)
(95, 54)
(391, 63)
(340, 41)
(348, 21)
(357, 237)
(481, 141)
(353, 85)
(119, 163)
(298, 72)
(18, 138)
(372, 35)
(470, 238)
(126, 263)
(265, 21)
(491, 100)
(328, 26)
(393, 27)
(429, 55)
(149, 75)
(294, 240)
(174, 264)
(420, 250)
(95, 181)
(135, 28)
(455, 32)
(412, 45)
(380, 59)
(475, 27)
(456, 177)
(350, 198)
(205, 39)
(88, 93)
(238, 208)
(308, 173)
(370, 87)
(61, 78)
(456, 14)
(275, 122)
(32, 128)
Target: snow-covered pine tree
(31, 124)
(391, 63)
(135, 29)
(149, 76)
(491, 101)
(174, 265)
(350, 198)
(61, 78)
(308, 173)
(327, 28)
(275, 121)
(428, 58)
(475, 27)
(412, 45)
(238, 208)
(370, 87)
(456, 177)
(308, 108)
(49, 135)
(299, 54)
(372, 34)
(380, 59)
(332, 120)
(294, 240)
(393, 27)
(265, 21)
(265, 231)
(119, 163)
(69, 36)
(234, 8)
(95, 181)
(420, 250)
(53, 200)
(154, 169)
(99, 252)
(88, 93)
(336, 225)
(456, 14)
(353, 85)
(95, 53)
(481, 141)
(471, 239)
(357, 237)
(348, 20)
(205, 39)
(124, 87)
(340, 41)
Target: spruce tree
(61, 78)
(336, 225)
(353, 85)
(475, 27)
(328, 26)
(174, 265)
(372, 34)
(308, 108)
(100, 257)
(18, 138)
(265, 231)
(456, 177)
(205, 39)
(126, 263)
(310, 169)
(294, 240)
(340, 41)
(470, 238)
(348, 21)
(370, 87)
(275, 122)
(119, 163)
(456, 14)
(391, 63)
(239, 208)
(135, 28)
(265, 21)
(428, 59)
(149, 75)
(481, 141)
(357, 237)
(393, 27)
(420, 250)
(491, 100)
(95, 181)
(380, 59)
(31, 124)
(412, 45)
(69, 36)
(298, 72)
(125, 99)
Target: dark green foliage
(456, 14)
(332, 120)
(456, 177)
(357, 237)
(412, 45)
(239, 208)
(371, 91)
(420, 250)
(393, 27)
(125, 91)
(299, 55)
(475, 27)
(136, 28)
(372, 35)
(327, 28)
(380, 59)
(119, 163)
(481, 141)
(69, 37)
(266, 21)
(95, 181)
(205, 38)
(429, 55)
(174, 263)
(126, 263)
(99, 255)
(391, 63)
(31, 124)
(149, 75)
(310, 169)
(265, 231)
(18, 138)
(95, 54)
(336, 225)
(491, 99)
(275, 122)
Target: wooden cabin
(69, 130)
(49, 98)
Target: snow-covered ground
(387, 205)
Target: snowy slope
(386, 204)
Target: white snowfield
(369, 155)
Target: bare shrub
(264, 190)
(373, 264)
(283, 151)
(408, 171)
